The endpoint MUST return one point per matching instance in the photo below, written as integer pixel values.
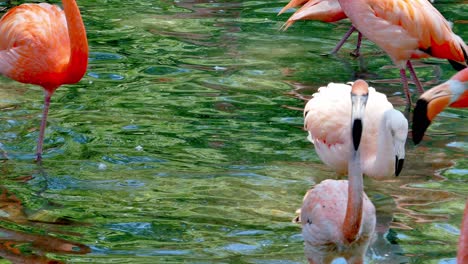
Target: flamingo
(321, 10)
(337, 217)
(407, 30)
(326, 118)
(462, 255)
(43, 45)
(452, 93)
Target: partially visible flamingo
(337, 217)
(407, 30)
(452, 93)
(326, 118)
(43, 45)
(321, 10)
(462, 255)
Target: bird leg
(356, 53)
(414, 77)
(343, 40)
(4, 153)
(404, 81)
(47, 96)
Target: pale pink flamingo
(407, 30)
(462, 255)
(337, 217)
(320, 10)
(43, 45)
(326, 118)
(452, 93)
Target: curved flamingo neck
(353, 217)
(78, 42)
(384, 150)
(462, 256)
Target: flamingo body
(322, 217)
(43, 45)
(326, 118)
(406, 29)
(35, 47)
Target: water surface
(184, 143)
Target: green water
(184, 143)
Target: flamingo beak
(429, 105)
(357, 115)
(398, 165)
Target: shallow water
(184, 143)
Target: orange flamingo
(407, 30)
(337, 217)
(462, 255)
(321, 10)
(43, 45)
(452, 93)
(326, 118)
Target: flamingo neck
(78, 42)
(385, 149)
(353, 217)
(462, 256)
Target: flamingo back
(34, 44)
(406, 29)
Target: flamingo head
(359, 95)
(453, 92)
(397, 124)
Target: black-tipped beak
(420, 121)
(398, 165)
(357, 133)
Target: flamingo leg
(4, 153)
(356, 53)
(404, 81)
(414, 77)
(47, 96)
(343, 40)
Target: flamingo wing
(34, 44)
(326, 118)
(293, 4)
(320, 10)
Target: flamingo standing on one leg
(43, 45)
(321, 10)
(452, 93)
(337, 217)
(407, 30)
(326, 118)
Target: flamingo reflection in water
(13, 241)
